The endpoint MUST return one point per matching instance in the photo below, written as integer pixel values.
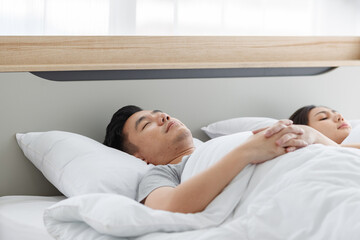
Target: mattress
(21, 217)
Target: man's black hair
(115, 137)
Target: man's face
(159, 137)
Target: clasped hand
(281, 138)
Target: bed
(68, 113)
(21, 217)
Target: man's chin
(183, 136)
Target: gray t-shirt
(161, 176)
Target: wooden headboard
(59, 53)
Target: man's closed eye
(145, 125)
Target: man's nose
(163, 118)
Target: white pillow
(354, 123)
(78, 165)
(354, 136)
(235, 125)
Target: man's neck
(178, 158)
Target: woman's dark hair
(301, 116)
(115, 137)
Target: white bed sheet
(21, 217)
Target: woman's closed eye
(323, 116)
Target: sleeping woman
(325, 120)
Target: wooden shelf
(62, 53)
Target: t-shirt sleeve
(160, 176)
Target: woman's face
(330, 123)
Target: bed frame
(30, 103)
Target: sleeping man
(166, 142)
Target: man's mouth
(169, 125)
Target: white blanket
(312, 193)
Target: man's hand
(277, 127)
(276, 140)
(290, 139)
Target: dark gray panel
(179, 73)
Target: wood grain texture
(58, 53)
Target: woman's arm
(310, 135)
(352, 145)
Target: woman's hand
(293, 140)
(314, 136)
